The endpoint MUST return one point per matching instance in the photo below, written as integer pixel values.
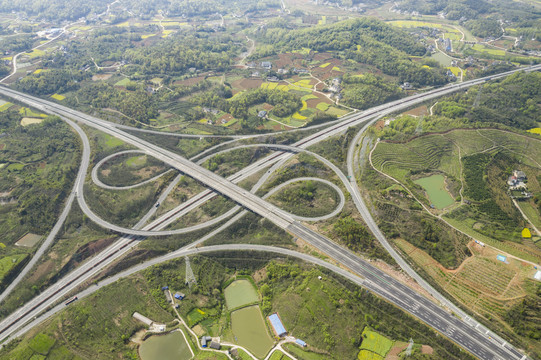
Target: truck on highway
(70, 300)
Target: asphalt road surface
(397, 293)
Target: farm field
(29, 121)
(520, 250)
(102, 310)
(30, 113)
(123, 82)
(435, 188)
(250, 330)
(450, 31)
(485, 49)
(302, 354)
(4, 105)
(428, 152)
(278, 355)
(440, 153)
(9, 262)
(240, 293)
(58, 97)
(531, 213)
(443, 59)
(484, 284)
(29, 240)
(374, 346)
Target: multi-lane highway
(381, 283)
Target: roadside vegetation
(475, 155)
(38, 167)
(101, 326)
(307, 198)
(247, 67)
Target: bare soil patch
(99, 77)
(418, 111)
(380, 124)
(260, 275)
(312, 103)
(320, 86)
(287, 60)
(322, 56)
(29, 240)
(245, 84)
(395, 350)
(190, 81)
(42, 270)
(198, 330)
(425, 349)
(148, 172)
(138, 337)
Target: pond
(436, 191)
(249, 329)
(239, 293)
(165, 347)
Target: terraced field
(440, 151)
(488, 276)
(429, 152)
(483, 284)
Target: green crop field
(9, 262)
(30, 113)
(368, 355)
(322, 106)
(41, 344)
(123, 82)
(302, 354)
(4, 105)
(374, 343)
(488, 50)
(35, 53)
(531, 213)
(398, 160)
(195, 316)
(439, 152)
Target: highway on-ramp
(396, 292)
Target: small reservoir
(435, 188)
(250, 330)
(165, 347)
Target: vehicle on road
(70, 300)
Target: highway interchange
(466, 332)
